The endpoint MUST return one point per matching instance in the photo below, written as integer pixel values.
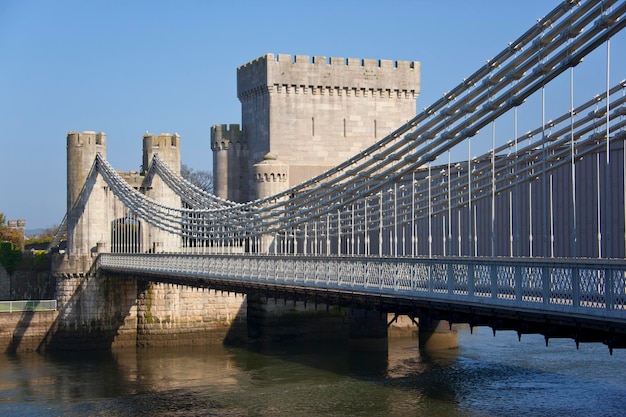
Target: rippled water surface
(486, 376)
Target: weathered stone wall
(25, 331)
(278, 320)
(175, 315)
(32, 280)
(94, 313)
(5, 284)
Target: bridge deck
(581, 299)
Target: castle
(302, 116)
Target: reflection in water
(487, 376)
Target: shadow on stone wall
(97, 314)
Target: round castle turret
(271, 176)
(87, 223)
(166, 145)
(230, 162)
(81, 153)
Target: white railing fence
(585, 288)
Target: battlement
(223, 135)
(87, 138)
(334, 73)
(16, 224)
(226, 130)
(166, 145)
(163, 140)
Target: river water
(486, 376)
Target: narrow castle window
(344, 128)
(174, 141)
(375, 134)
(312, 126)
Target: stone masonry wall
(25, 331)
(313, 113)
(31, 280)
(5, 284)
(175, 315)
(278, 320)
(94, 313)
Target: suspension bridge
(501, 204)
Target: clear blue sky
(127, 67)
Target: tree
(10, 240)
(9, 257)
(10, 234)
(201, 179)
(44, 236)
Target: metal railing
(574, 287)
(27, 305)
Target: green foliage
(10, 257)
(10, 234)
(37, 240)
(40, 258)
(14, 236)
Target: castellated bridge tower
(87, 222)
(98, 221)
(313, 113)
(167, 147)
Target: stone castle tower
(84, 231)
(92, 222)
(302, 116)
(167, 147)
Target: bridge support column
(273, 320)
(436, 334)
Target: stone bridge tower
(99, 310)
(87, 222)
(310, 114)
(94, 219)
(167, 147)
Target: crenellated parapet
(81, 152)
(166, 145)
(301, 74)
(230, 162)
(316, 112)
(271, 176)
(224, 137)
